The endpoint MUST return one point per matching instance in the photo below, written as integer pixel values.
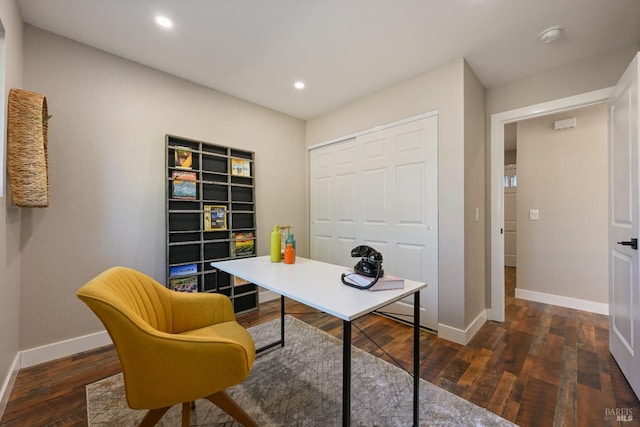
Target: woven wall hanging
(27, 148)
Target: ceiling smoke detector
(551, 34)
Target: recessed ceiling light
(299, 85)
(164, 21)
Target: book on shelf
(242, 243)
(184, 283)
(184, 185)
(183, 270)
(240, 167)
(385, 282)
(183, 158)
(215, 217)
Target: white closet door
(381, 190)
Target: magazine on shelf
(240, 167)
(215, 217)
(183, 158)
(243, 244)
(184, 284)
(385, 282)
(184, 185)
(183, 270)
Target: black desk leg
(281, 340)
(346, 373)
(281, 320)
(416, 359)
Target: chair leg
(186, 414)
(152, 417)
(223, 401)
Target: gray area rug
(301, 385)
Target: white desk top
(316, 284)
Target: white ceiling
(342, 49)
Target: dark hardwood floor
(544, 366)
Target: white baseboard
(47, 353)
(64, 348)
(460, 336)
(267, 296)
(8, 383)
(71, 346)
(568, 302)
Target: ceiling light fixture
(299, 85)
(551, 34)
(164, 22)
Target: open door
(624, 204)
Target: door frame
(496, 179)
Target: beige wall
(474, 171)
(564, 174)
(106, 148)
(594, 73)
(441, 89)
(9, 216)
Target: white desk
(318, 285)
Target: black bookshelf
(210, 216)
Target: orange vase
(289, 254)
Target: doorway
(498, 123)
(559, 223)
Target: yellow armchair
(174, 347)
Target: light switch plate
(533, 214)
